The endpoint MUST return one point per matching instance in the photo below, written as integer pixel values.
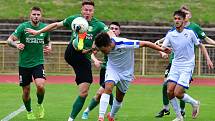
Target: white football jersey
(183, 46)
(121, 58)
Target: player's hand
(210, 64)
(20, 46)
(163, 55)
(97, 63)
(31, 31)
(167, 50)
(47, 50)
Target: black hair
(88, 2)
(102, 40)
(180, 13)
(115, 23)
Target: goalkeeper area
(142, 101)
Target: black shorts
(102, 77)
(80, 64)
(26, 74)
(167, 70)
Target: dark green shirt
(32, 54)
(95, 27)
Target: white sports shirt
(183, 46)
(121, 58)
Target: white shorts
(181, 75)
(122, 84)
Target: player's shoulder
(195, 25)
(25, 23)
(172, 30)
(43, 24)
(97, 21)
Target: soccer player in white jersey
(120, 68)
(182, 41)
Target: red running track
(138, 80)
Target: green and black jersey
(95, 27)
(32, 54)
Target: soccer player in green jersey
(80, 60)
(197, 29)
(31, 60)
(115, 27)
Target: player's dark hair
(36, 8)
(88, 2)
(180, 13)
(184, 7)
(115, 23)
(102, 40)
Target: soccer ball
(80, 25)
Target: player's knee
(40, 87)
(98, 95)
(108, 90)
(178, 94)
(84, 93)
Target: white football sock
(104, 101)
(70, 119)
(87, 110)
(176, 107)
(166, 107)
(189, 99)
(115, 108)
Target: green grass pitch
(141, 103)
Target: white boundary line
(13, 114)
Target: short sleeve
(166, 42)
(195, 39)
(19, 31)
(68, 21)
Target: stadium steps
(131, 30)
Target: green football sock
(27, 104)
(182, 105)
(93, 104)
(165, 96)
(40, 98)
(77, 106)
(111, 99)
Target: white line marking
(13, 114)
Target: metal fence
(147, 61)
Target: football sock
(189, 99)
(175, 106)
(165, 96)
(93, 104)
(27, 105)
(40, 98)
(115, 108)
(103, 104)
(111, 99)
(77, 106)
(182, 105)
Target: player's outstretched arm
(48, 28)
(209, 40)
(154, 46)
(205, 53)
